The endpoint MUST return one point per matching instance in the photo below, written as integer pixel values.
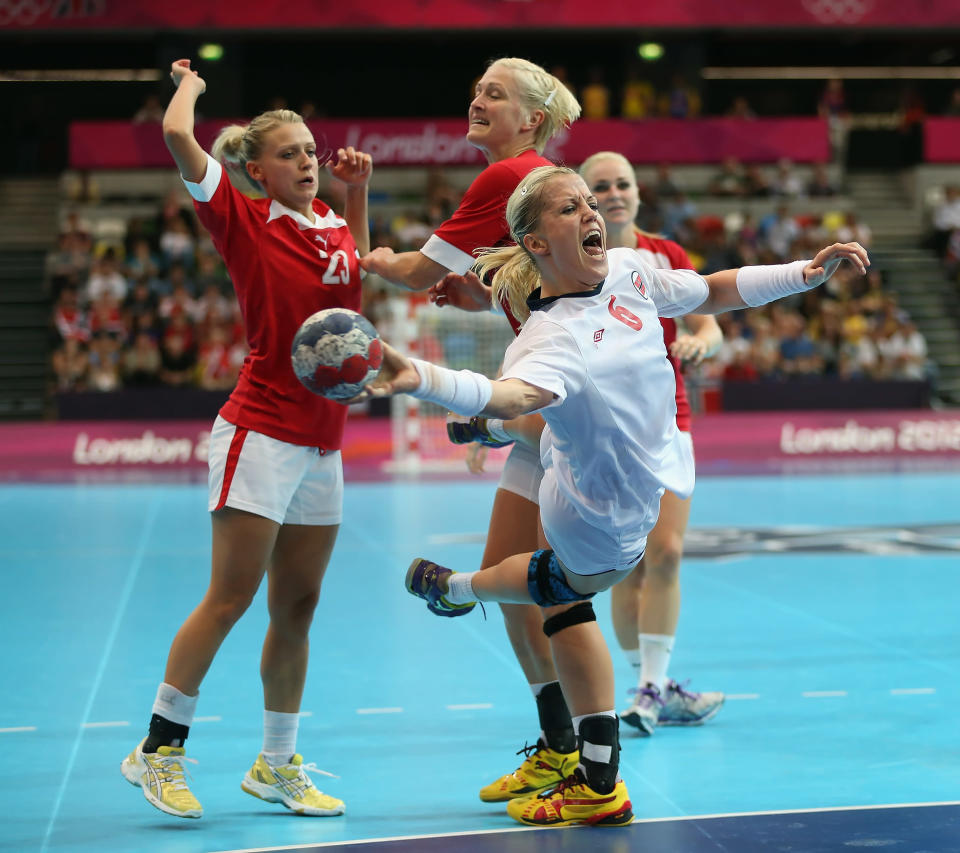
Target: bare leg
(648, 601)
(242, 543)
(585, 668)
(514, 527)
(300, 559)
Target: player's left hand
(465, 291)
(352, 167)
(689, 349)
(827, 260)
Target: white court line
(18, 729)
(822, 694)
(477, 706)
(379, 710)
(736, 696)
(306, 713)
(912, 691)
(107, 724)
(720, 816)
(213, 719)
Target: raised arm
(178, 120)
(412, 270)
(354, 168)
(748, 287)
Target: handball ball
(336, 352)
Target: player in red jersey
(517, 108)
(646, 606)
(276, 479)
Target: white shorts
(581, 547)
(522, 472)
(287, 483)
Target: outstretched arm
(178, 120)
(752, 286)
(463, 391)
(412, 270)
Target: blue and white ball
(336, 352)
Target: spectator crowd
(157, 308)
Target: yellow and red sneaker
(572, 802)
(543, 768)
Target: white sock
(496, 430)
(634, 659)
(175, 706)
(655, 650)
(460, 589)
(279, 736)
(536, 688)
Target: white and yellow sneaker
(290, 785)
(161, 776)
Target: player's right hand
(181, 69)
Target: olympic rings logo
(838, 11)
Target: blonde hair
(593, 159)
(515, 271)
(540, 90)
(238, 144)
(617, 157)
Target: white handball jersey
(611, 433)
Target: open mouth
(593, 244)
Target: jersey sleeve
(679, 259)
(478, 222)
(674, 292)
(545, 355)
(224, 211)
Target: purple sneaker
(685, 708)
(428, 581)
(645, 711)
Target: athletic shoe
(645, 711)
(573, 801)
(542, 768)
(290, 785)
(161, 776)
(428, 581)
(681, 708)
(462, 430)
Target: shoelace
(173, 771)
(312, 768)
(649, 692)
(674, 687)
(574, 779)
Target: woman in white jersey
(517, 108)
(591, 358)
(646, 605)
(276, 479)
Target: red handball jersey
(284, 268)
(665, 254)
(480, 220)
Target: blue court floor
(827, 608)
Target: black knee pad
(548, 584)
(576, 615)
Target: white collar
(330, 220)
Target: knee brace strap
(548, 584)
(576, 615)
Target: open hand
(465, 291)
(827, 260)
